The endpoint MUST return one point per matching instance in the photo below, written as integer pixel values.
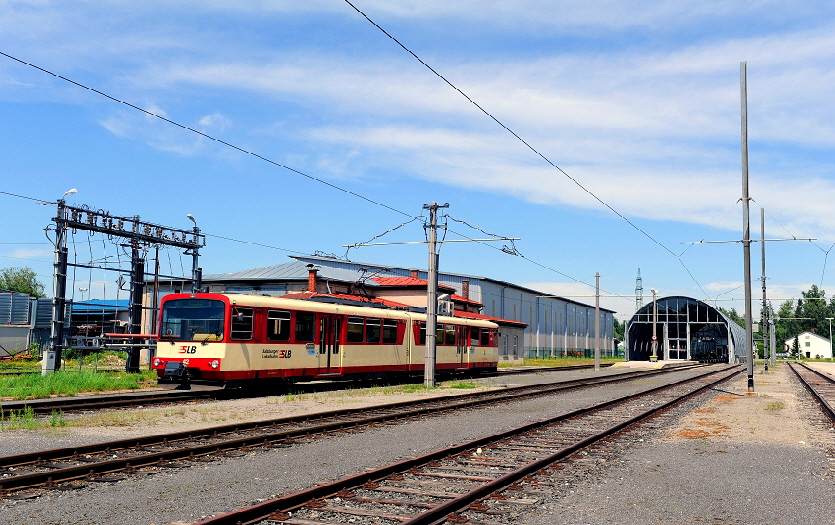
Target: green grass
(57, 419)
(71, 383)
(19, 365)
(22, 419)
(466, 385)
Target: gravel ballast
(186, 495)
(734, 459)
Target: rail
(46, 468)
(516, 455)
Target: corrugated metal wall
(555, 326)
(14, 308)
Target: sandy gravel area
(736, 458)
(774, 414)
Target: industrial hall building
(684, 329)
(532, 323)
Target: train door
(462, 337)
(330, 359)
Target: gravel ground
(186, 495)
(110, 425)
(764, 459)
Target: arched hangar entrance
(686, 329)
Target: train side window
(390, 331)
(305, 324)
(356, 328)
(450, 335)
(278, 325)
(242, 321)
(485, 337)
(422, 334)
(473, 336)
(372, 331)
(439, 334)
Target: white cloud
(215, 122)
(159, 134)
(30, 253)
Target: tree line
(809, 313)
(23, 280)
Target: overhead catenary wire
(528, 145)
(543, 266)
(714, 227)
(242, 150)
(818, 246)
(413, 219)
(316, 179)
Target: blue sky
(639, 102)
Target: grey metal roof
(395, 271)
(294, 270)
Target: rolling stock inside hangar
(685, 329)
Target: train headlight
(157, 362)
(214, 363)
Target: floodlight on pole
(69, 192)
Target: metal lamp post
(196, 271)
(654, 356)
(830, 335)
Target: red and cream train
(235, 338)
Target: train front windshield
(192, 320)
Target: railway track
(132, 400)
(481, 482)
(90, 403)
(28, 475)
(819, 385)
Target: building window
(808, 343)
